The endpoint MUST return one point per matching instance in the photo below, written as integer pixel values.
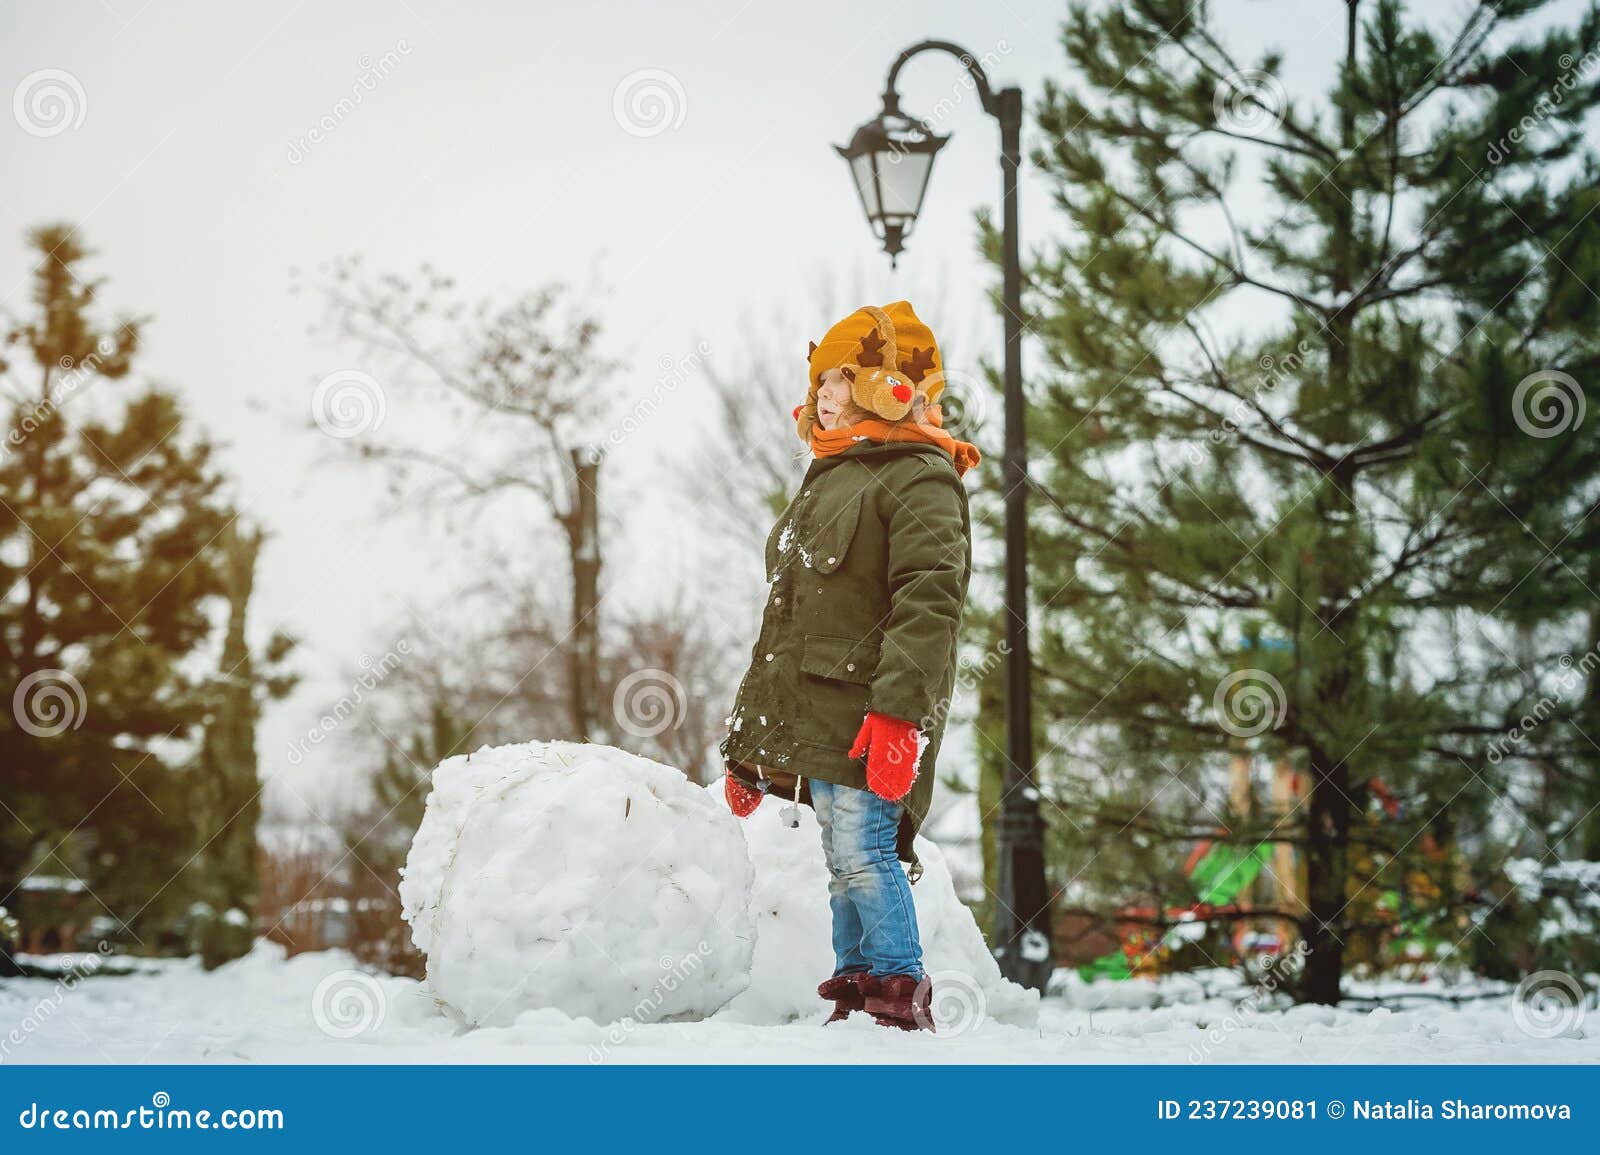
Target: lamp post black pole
(1021, 938)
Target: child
(850, 679)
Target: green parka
(868, 571)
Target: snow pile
(581, 878)
(794, 950)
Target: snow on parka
(867, 572)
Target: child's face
(833, 395)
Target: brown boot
(846, 993)
(903, 1001)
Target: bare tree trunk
(582, 523)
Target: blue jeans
(874, 921)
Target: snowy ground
(318, 1008)
(580, 877)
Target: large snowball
(794, 944)
(579, 877)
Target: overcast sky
(498, 141)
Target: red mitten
(742, 800)
(891, 749)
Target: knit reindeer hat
(888, 355)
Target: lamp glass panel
(861, 169)
(904, 176)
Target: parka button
(769, 657)
(851, 666)
(777, 601)
(831, 560)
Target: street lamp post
(890, 159)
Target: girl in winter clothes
(844, 704)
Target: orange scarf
(827, 442)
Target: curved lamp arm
(986, 94)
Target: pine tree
(106, 512)
(1309, 444)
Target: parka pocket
(840, 659)
(830, 541)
